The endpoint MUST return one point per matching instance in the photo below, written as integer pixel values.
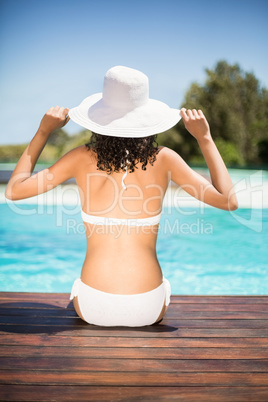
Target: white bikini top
(101, 220)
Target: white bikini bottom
(108, 309)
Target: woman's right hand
(196, 123)
(56, 117)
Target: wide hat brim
(151, 118)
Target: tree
(58, 139)
(237, 110)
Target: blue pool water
(201, 252)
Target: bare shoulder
(171, 161)
(166, 153)
(80, 153)
(74, 160)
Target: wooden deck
(206, 349)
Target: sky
(56, 52)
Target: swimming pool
(201, 251)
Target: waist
(109, 221)
(122, 276)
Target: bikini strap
(123, 178)
(125, 174)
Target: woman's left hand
(55, 117)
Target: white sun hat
(124, 109)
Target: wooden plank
(135, 352)
(118, 364)
(38, 312)
(67, 305)
(216, 315)
(118, 341)
(162, 330)
(174, 299)
(25, 296)
(171, 313)
(180, 323)
(55, 304)
(218, 307)
(102, 378)
(220, 299)
(86, 393)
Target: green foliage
(58, 144)
(229, 152)
(49, 154)
(58, 138)
(11, 153)
(263, 150)
(171, 138)
(237, 110)
(76, 140)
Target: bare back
(121, 259)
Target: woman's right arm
(220, 193)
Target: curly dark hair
(115, 153)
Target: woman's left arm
(22, 183)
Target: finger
(195, 114)
(61, 112)
(190, 114)
(183, 113)
(201, 114)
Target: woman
(122, 179)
